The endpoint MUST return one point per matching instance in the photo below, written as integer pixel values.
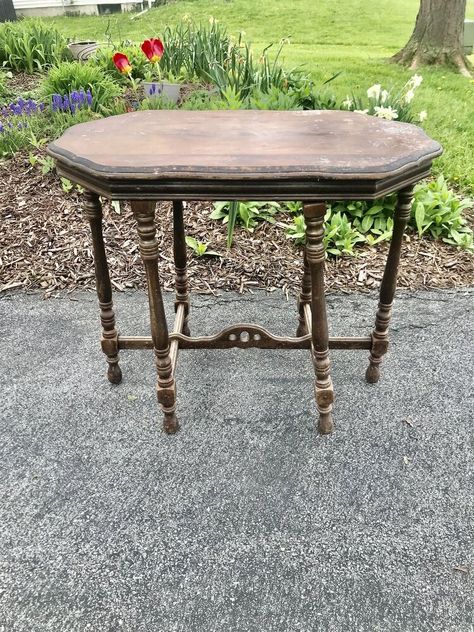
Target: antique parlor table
(311, 156)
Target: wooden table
(312, 156)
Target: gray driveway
(246, 520)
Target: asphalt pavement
(247, 520)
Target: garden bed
(46, 246)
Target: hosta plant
(438, 211)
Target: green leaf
(366, 223)
(419, 217)
(192, 243)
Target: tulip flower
(153, 49)
(122, 63)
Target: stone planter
(82, 50)
(156, 89)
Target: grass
(353, 36)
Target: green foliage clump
(438, 211)
(340, 235)
(31, 46)
(69, 76)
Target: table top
(209, 153)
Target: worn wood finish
(221, 341)
(388, 286)
(314, 157)
(109, 342)
(144, 213)
(179, 252)
(304, 298)
(302, 155)
(315, 255)
(177, 329)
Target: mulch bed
(21, 82)
(45, 245)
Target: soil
(45, 245)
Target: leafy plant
(374, 220)
(245, 213)
(340, 236)
(31, 45)
(72, 76)
(297, 230)
(200, 248)
(66, 185)
(274, 99)
(438, 211)
(163, 103)
(3, 83)
(45, 162)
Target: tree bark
(437, 36)
(7, 11)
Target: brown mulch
(22, 82)
(45, 245)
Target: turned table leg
(144, 213)
(388, 286)
(314, 216)
(93, 212)
(179, 252)
(304, 298)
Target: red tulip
(122, 63)
(153, 49)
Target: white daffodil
(409, 96)
(347, 103)
(384, 96)
(416, 81)
(374, 91)
(386, 113)
(422, 116)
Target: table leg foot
(114, 373)
(170, 423)
(372, 375)
(326, 424)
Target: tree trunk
(437, 36)
(7, 11)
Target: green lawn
(327, 36)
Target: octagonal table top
(248, 154)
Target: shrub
(31, 45)
(73, 76)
